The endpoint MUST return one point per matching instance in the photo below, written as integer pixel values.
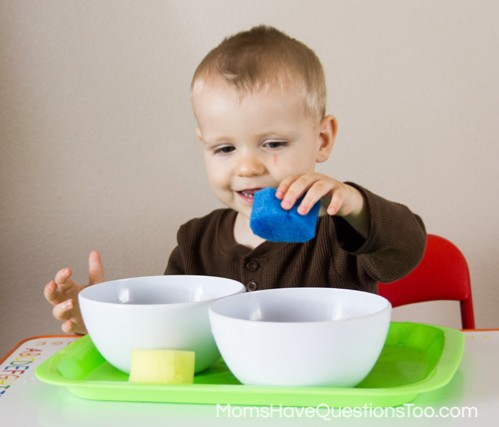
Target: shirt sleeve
(175, 263)
(396, 241)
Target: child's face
(256, 141)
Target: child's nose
(250, 165)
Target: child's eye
(275, 145)
(224, 149)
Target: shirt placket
(251, 268)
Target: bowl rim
(386, 307)
(88, 289)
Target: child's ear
(328, 130)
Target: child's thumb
(95, 268)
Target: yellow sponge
(162, 366)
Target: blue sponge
(271, 222)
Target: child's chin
(243, 211)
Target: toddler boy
(259, 99)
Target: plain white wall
(98, 150)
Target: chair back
(442, 274)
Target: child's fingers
(69, 327)
(296, 188)
(95, 268)
(314, 187)
(63, 280)
(51, 294)
(62, 311)
(283, 187)
(336, 203)
(315, 193)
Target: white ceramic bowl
(168, 312)
(301, 336)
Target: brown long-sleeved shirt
(337, 257)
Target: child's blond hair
(264, 57)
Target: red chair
(441, 275)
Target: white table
(471, 398)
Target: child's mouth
(248, 195)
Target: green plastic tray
(416, 358)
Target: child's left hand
(340, 199)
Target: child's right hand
(62, 293)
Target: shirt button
(252, 286)
(252, 265)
